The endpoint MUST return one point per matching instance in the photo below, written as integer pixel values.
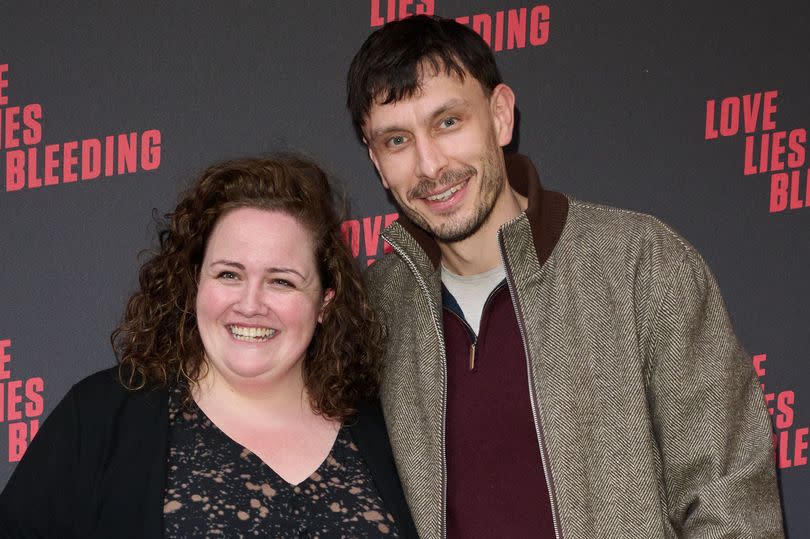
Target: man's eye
(449, 122)
(396, 140)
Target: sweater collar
(546, 211)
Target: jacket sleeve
(38, 498)
(713, 431)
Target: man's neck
(480, 252)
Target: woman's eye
(227, 275)
(283, 282)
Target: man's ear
(502, 108)
(328, 295)
(376, 163)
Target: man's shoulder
(385, 273)
(618, 230)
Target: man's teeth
(445, 195)
(252, 333)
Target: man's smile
(444, 195)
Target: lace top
(217, 488)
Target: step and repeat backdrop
(697, 112)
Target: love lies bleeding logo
(362, 235)
(790, 440)
(30, 163)
(780, 153)
(21, 405)
(505, 29)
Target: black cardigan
(97, 467)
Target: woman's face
(259, 297)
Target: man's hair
(392, 61)
(158, 342)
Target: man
(554, 368)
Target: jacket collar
(547, 212)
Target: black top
(97, 467)
(218, 488)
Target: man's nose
(431, 159)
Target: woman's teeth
(251, 333)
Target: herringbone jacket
(649, 416)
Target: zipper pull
(472, 356)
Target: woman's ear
(328, 294)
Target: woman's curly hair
(158, 342)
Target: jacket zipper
(470, 333)
(473, 335)
(436, 325)
(532, 396)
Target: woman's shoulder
(106, 394)
(104, 382)
(114, 383)
(99, 413)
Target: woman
(245, 398)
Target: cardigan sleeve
(712, 428)
(38, 500)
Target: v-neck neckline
(244, 452)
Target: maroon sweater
(495, 481)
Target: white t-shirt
(472, 291)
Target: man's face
(439, 153)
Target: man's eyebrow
(439, 111)
(380, 131)
(449, 105)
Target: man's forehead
(427, 72)
(441, 85)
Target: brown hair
(390, 64)
(158, 342)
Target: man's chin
(455, 235)
(444, 229)
(452, 232)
